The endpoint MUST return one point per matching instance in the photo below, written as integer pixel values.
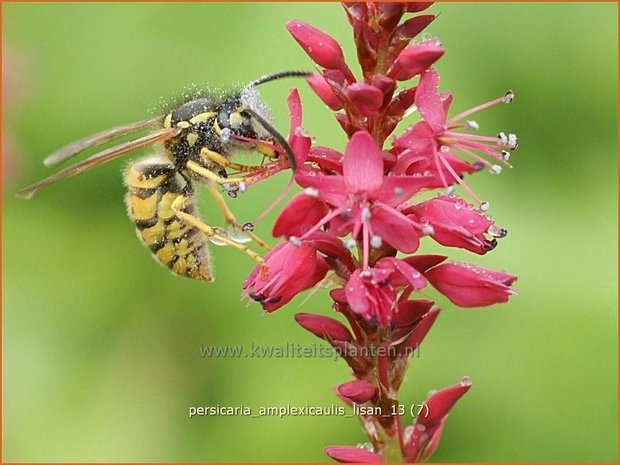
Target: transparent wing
(72, 149)
(100, 158)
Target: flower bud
(415, 59)
(322, 48)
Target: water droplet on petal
(296, 241)
(497, 232)
(484, 206)
(311, 191)
(465, 381)
(376, 242)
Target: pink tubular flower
(322, 48)
(453, 223)
(288, 270)
(435, 136)
(415, 59)
(365, 202)
(471, 286)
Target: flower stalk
(359, 221)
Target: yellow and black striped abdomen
(153, 184)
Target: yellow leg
(224, 162)
(231, 220)
(211, 176)
(177, 208)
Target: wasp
(195, 142)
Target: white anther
(513, 141)
(508, 97)
(472, 125)
(495, 169)
(505, 155)
(484, 206)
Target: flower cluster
(360, 218)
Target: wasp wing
(100, 158)
(72, 149)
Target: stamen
(495, 169)
(247, 227)
(508, 97)
(502, 139)
(513, 141)
(472, 125)
(458, 179)
(505, 155)
(476, 109)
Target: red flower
(415, 59)
(322, 48)
(454, 223)
(356, 391)
(470, 286)
(424, 436)
(288, 270)
(364, 201)
(372, 292)
(435, 136)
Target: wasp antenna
(279, 75)
(271, 130)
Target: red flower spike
(288, 270)
(471, 286)
(350, 454)
(321, 88)
(357, 391)
(454, 223)
(415, 59)
(320, 47)
(323, 327)
(299, 215)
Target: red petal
(300, 214)
(415, 59)
(439, 404)
(323, 327)
(365, 98)
(322, 48)
(362, 164)
(428, 102)
(320, 86)
(394, 228)
(350, 454)
(357, 391)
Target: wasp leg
(230, 219)
(177, 207)
(224, 162)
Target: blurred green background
(101, 345)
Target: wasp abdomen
(153, 185)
